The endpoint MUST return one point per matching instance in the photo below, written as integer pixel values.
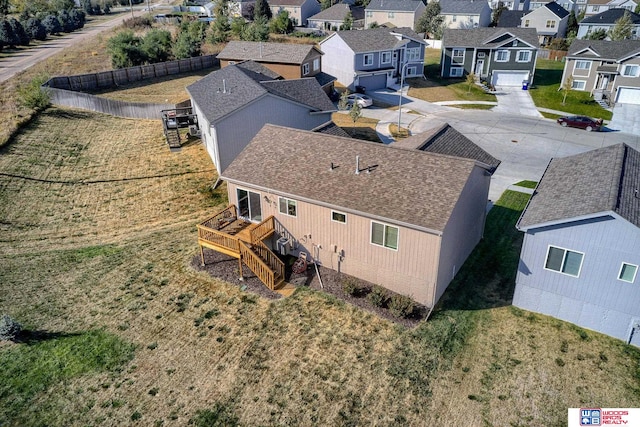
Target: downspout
(473, 62)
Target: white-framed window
(369, 14)
(578, 84)
(390, 15)
(502, 56)
(411, 71)
(481, 54)
(630, 70)
(367, 59)
(338, 217)
(582, 65)
(385, 58)
(564, 261)
(287, 206)
(413, 54)
(384, 235)
(457, 56)
(524, 56)
(456, 71)
(551, 23)
(305, 69)
(627, 272)
(526, 23)
(316, 64)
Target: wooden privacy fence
(69, 90)
(555, 55)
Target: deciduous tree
(125, 50)
(281, 23)
(431, 21)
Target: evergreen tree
(622, 30)
(238, 24)
(347, 24)
(495, 16)
(281, 23)
(35, 29)
(599, 34)
(156, 46)
(257, 31)
(125, 50)
(431, 21)
(221, 27)
(18, 30)
(78, 17)
(186, 46)
(52, 24)
(4, 7)
(7, 36)
(65, 20)
(572, 23)
(261, 9)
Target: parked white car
(363, 100)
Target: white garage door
(628, 95)
(509, 78)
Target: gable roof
(448, 141)
(611, 50)
(276, 3)
(484, 37)
(609, 17)
(598, 181)
(457, 7)
(231, 88)
(394, 5)
(412, 188)
(331, 128)
(338, 12)
(556, 9)
(375, 39)
(511, 18)
(286, 53)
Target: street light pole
(402, 71)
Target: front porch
(231, 235)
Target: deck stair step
(173, 139)
(603, 104)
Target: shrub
(377, 296)
(9, 328)
(35, 29)
(33, 95)
(350, 287)
(401, 306)
(137, 23)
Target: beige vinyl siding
(628, 81)
(410, 270)
(399, 19)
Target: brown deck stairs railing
(226, 233)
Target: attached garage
(509, 78)
(371, 82)
(628, 95)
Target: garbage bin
(360, 89)
(525, 85)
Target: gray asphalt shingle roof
(610, 17)
(375, 39)
(511, 18)
(332, 129)
(452, 7)
(612, 50)
(404, 186)
(338, 12)
(229, 89)
(557, 10)
(394, 5)
(601, 180)
(286, 53)
(483, 37)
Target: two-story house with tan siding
(399, 13)
(299, 10)
(465, 13)
(404, 218)
(609, 70)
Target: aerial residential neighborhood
(384, 212)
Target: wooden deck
(226, 233)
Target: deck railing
(263, 230)
(272, 259)
(255, 264)
(218, 238)
(214, 221)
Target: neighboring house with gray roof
(609, 70)
(550, 21)
(402, 218)
(233, 103)
(373, 58)
(511, 18)
(580, 258)
(606, 21)
(502, 56)
(465, 13)
(598, 6)
(299, 10)
(332, 18)
(398, 13)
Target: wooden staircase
(173, 139)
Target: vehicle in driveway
(582, 122)
(363, 100)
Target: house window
(578, 84)
(288, 206)
(596, 8)
(249, 205)
(413, 54)
(502, 56)
(384, 235)
(456, 72)
(453, 18)
(369, 14)
(627, 272)
(457, 56)
(338, 217)
(564, 261)
(367, 59)
(630, 70)
(582, 65)
(524, 56)
(551, 23)
(305, 69)
(480, 54)
(385, 58)
(316, 64)
(526, 23)
(390, 15)
(411, 71)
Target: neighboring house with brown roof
(373, 58)
(398, 13)
(609, 70)
(580, 257)
(403, 218)
(502, 56)
(233, 103)
(550, 21)
(299, 10)
(333, 17)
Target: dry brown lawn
(363, 128)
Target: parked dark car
(582, 122)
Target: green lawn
(545, 92)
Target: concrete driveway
(514, 100)
(626, 118)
